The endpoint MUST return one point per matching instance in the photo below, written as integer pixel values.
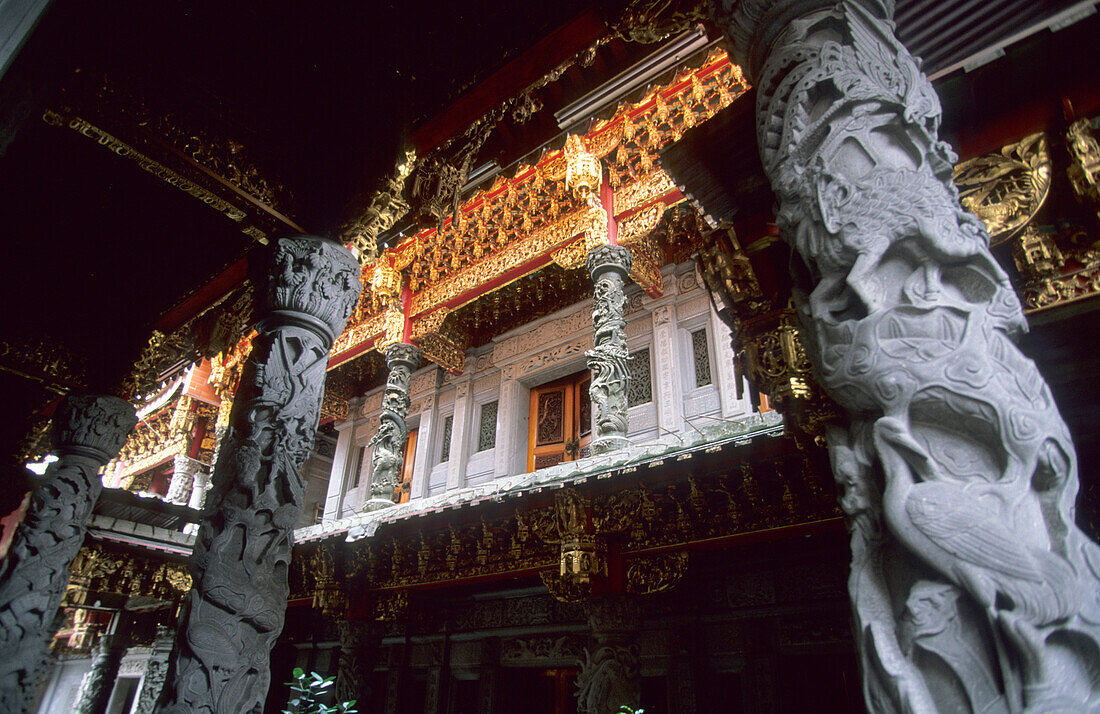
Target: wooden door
(584, 415)
(404, 489)
(561, 421)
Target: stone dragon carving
(610, 677)
(87, 433)
(100, 680)
(359, 641)
(236, 607)
(609, 265)
(972, 588)
(388, 443)
(155, 670)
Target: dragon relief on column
(236, 608)
(609, 358)
(388, 444)
(972, 588)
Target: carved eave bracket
(1057, 261)
(202, 161)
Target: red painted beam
(510, 80)
(199, 300)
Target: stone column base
(376, 504)
(607, 444)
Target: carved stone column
(359, 641)
(100, 680)
(388, 445)
(156, 669)
(237, 605)
(972, 588)
(609, 676)
(87, 433)
(609, 266)
(184, 471)
(199, 487)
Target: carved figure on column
(87, 433)
(359, 642)
(237, 604)
(972, 588)
(388, 444)
(152, 682)
(100, 680)
(184, 471)
(609, 266)
(609, 676)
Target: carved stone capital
(184, 471)
(609, 676)
(92, 426)
(310, 282)
(402, 353)
(608, 258)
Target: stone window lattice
(487, 427)
(448, 427)
(641, 385)
(700, 351)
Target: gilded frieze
(99, 571)
(543, 208)
(789, 490)
(1006, 188)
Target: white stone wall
(550, 348)
(62, 686)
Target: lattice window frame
(641, 373)
(356, 474)
(446, 436)
(701, 357)
(487, 425)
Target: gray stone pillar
(398, 664)
(609, 676)
(388, 445)
(972, 588)
(184, 471)
(153, 681)
(609, 266)
(488, 677)
(199, 487)
(237, 604)
(87, 433)
(359, 642)
(100, 680)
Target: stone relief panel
(642, 325)
(548, 650)
(424, 381)
(555, 354)
(693, 307)
(487, 383)
(549, 332)
(688, 282)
